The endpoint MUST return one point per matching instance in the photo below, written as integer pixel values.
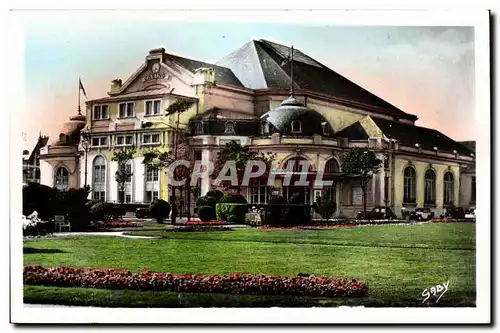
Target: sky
(426, 71)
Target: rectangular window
(151, 195)
(260, 193)
(152, 175)
(128, 198)
(99, 195)
(100, 112)
(124, 140)
(150, 138)
(153, 107)
(99, 142)
(126, 110)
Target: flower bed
(201, 223)
(230, 284)
(120, 224)
(188, 228)
(309, 227)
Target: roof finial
(291, 73)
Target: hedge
(231, 212)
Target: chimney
(203, 76)
(116, 85)
(159, 50)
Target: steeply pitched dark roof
(222, 74)
(353, 132)
(263, 64)
(427, 138)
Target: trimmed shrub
(236, 211)
(233, 198)
(215, 194)
(159, 210)
(275, 211)
(206, 201)
(297, 213)
(39, 198)
(206, 213)
(326, 208)
(103, 211)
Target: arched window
(409, 186)
(62, 179)
(448, 189)
(430, 187)
(331, 167)
(296, 126)
(229, 129)
(99, 179)
(326, 128)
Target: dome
(69, 134)
(293, 118)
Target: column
(138, 180)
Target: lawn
(397, 262)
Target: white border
(480, 314)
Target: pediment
(156, 75)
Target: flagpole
(79, 109)
(291, 74)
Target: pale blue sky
(422, 70)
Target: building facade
(250, 97)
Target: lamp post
(86, 146)
(386, 173)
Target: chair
(61, 223)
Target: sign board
(357, 196)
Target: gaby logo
(435, 291)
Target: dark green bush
(275, 211)
(326, 208)
(206, 213)
(215, 194)
(159, 210)
(237, 212)
(39, 198)
(103, 211)
(206, 201)
(233, 198)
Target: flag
(82, 88)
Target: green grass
(397, 262)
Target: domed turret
(293, 118)
(70, 132)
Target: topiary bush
(276, 211)
(159, 210)
(233, 198)
(206, 213)
(215, 194)
(297, 213)
(102, 211)
(39, 198)
(206, 201)
(232, 212)
(326, 208)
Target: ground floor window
(260, 193)
(151, 196)
(99, 195)
(329, 193)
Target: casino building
(249, 96)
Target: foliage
(361, 163)
(233, 198)
(326, 207)
(275, 211)
(72, 204)
(179, 106)
(123, 174)
(231, 284)
(39, 198)
(216, 194)
(33, 226)
(159, 210)
(206, 213)
(206, 200)
(296, 212)
(237, 211)
(103, 211)
(233, 151)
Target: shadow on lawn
(30, 250)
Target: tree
(180, 146)
(233, 151)
(124, 172)
(362, 164)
